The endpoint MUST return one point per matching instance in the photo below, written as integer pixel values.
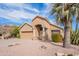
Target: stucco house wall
(41, 21)
(26, 31)
(30, 31)
(48, 25)
(53, 27)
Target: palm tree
(64, 13)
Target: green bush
(15, 32)
(56, 37)
(75, 37)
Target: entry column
(3, 36)
(43, 35)
(34, 36)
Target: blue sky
(19, 13)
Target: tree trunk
(66, 41)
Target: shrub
(75, 37)
(70, 55)
(56, 37)
(15, 32)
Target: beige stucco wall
(26, 35)
(26, 27)
(26, 32)
(45, 23)
(31, 32)
(40, 21)
(56, 28)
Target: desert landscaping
(25, 47)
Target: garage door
(26, 34)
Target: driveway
(27, 47)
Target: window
(26, 31)
(0, 34)
(55, 31)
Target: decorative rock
(63, 54)
(10, 45)
(69, 54)
(59, 54)
(44, 47)
(14, 44)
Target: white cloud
(21, 14)
(52, 21)
(16, 15)
(32, 9)
(14, 4)
(19, 5)
(22, 5)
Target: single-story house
(40, 28)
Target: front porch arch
(40, 32)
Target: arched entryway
(41, 32)
(0, 36)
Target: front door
(39, 32)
